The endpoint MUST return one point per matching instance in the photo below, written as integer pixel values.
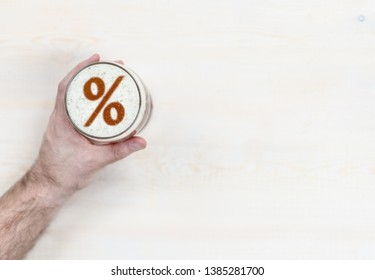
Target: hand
(66, 158)
(65, 164)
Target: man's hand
(66, 157)
(65, 164)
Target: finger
(123, 149)
(63, 84)
(94, 58)
(120, 61)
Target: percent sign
(99, 93)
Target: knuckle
(117, 153)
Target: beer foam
(79, 108)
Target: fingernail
(95, 54)
(136, 146)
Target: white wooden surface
(262, 141)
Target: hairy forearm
(66, 163)
(26, 210)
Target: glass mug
(107, 102)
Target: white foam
(80, 108)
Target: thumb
(123, 149)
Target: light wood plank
(262, 139)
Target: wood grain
(262, 139)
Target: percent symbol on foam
(100, 92)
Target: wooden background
(261, 144)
